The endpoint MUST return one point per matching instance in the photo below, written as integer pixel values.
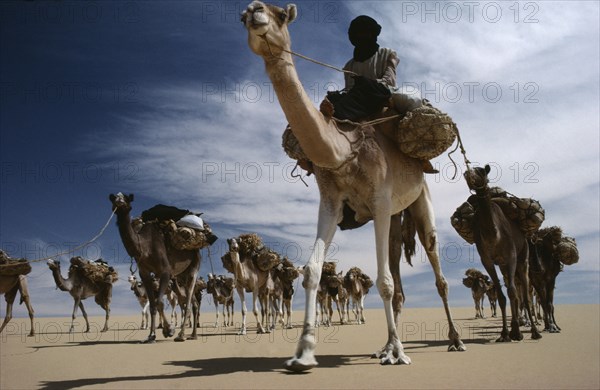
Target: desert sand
(221, 359)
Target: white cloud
(218, 147)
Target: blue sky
(165, 100)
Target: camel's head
(233, 245)
(132, 279)
(53, 264)
(267, 27)
(335, 280)
(121, 201)
(477, 178)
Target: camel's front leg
(304, 359)
(217, 312)
(8, 317)
(424, 218)
(392, 352)
(145, 316)
(85, 317)
(260, 329)
(240, 291)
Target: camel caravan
(361, 170)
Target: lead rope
(77, 247)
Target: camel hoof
(168, 332)
(300, 365)
(536, 336)
(516, 335)
(457, 346)
(391, 359)
(193, 338)
(31, 334)
(149, 340)
(179, 339)
(242, 332)
(503, 339)
(392, 354)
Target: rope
(303, 57)
(79, 246)
(459, 144)
(295, 175)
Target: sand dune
(221, 359)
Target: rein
(79, 246)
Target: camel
(81, 288)
(155, 257)
(545, 247)
(284, 276)
(248, 276)
(180, 294)
(9, 286)
(222, 289)
(322, 316)
(336, 292)
(478, 283)
(357, 283)
(140, 293)
(359, 171)
(500, 241)
(492, 297)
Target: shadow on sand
(204, 367)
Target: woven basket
(461, 222)
(267, 260)
(566, 251)
(185, 238)
(425, 132)
(15, 267)
(291, 146)
(249, 244)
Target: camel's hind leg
(188, 311)
(393, 351)
(523, 275)
(25, 298)
(424, 219)
(329, 213)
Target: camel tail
(408, 236)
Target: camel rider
(374, 86)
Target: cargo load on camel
(423, 133)
(96, 271)
(184, 229)
(13, 267)
(527, 212)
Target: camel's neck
(138, 290)
(357, 287)
(238, 267)
(317, 136)
(128, 235)
(484, 215)
(62, 283)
